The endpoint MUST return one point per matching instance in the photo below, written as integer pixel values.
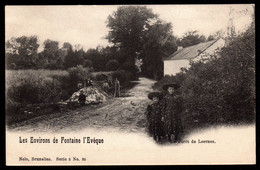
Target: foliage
(73, 58)
(67, 46)
(159, 43)
(128, 26)
(124, 76)
(216, 35)
(135, 31)
(191, 38)
(51, 53)
(138, 33)
(68, 83)
(22, 51)
(41, 86)
(78, 73)
(88, 63)
(112, 65)
(95, 55)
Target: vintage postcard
(130, 85)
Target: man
(117, 88)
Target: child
(171, 110)
(89, 83)
(155, 124)
(82, 98)
(105, 86)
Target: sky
(86, 25)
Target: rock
(93, 95)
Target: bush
(100, 76)
(78, 73)
(112, 65)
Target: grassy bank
(30, 93)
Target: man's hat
(155, 94)
(175, 86)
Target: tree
(159, 43)
(128, 26)
(88, 63)
(67, 46)
(112, 65)
(42, 61)
(11, 59)
(51, 52)
(216, 35)
(24, 48)
(74, 58)
(191, 38)
(98, 60)
(210, 37)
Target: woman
(171, 110)
(154, 116)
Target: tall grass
(33, 86)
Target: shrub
(99, 76)
(78, 73)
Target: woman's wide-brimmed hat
(155, 94)
(175, 86)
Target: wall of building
(171, 67)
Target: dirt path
(124, 113)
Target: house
(183, 56)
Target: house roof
(191, 51)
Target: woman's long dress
(171, 111)
(154, 117)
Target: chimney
(179, 47)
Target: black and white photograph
(130, 84)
